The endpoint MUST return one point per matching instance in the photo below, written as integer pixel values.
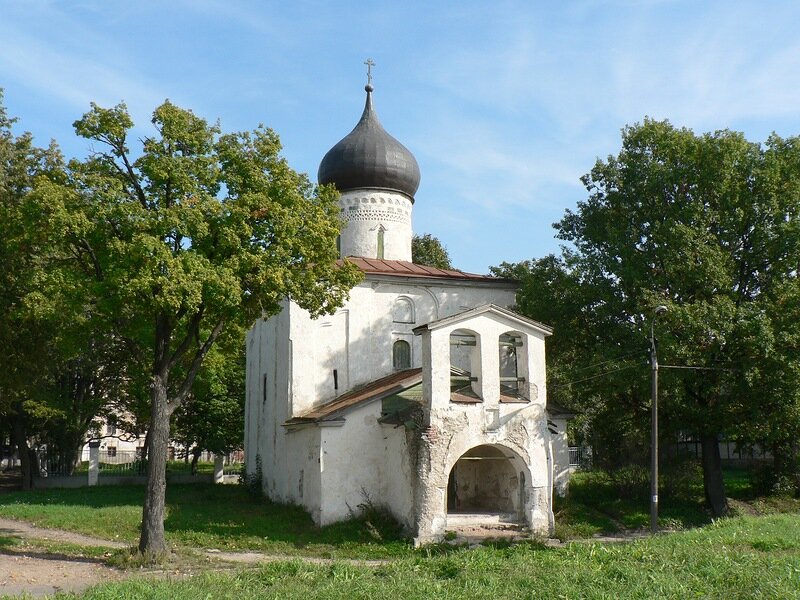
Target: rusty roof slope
(404, 268)
(380, 387)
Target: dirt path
(41, 574)
(13, 528)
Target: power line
(694, 368)
(556, 385)
(618, 358)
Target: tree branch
(197, 362)
(192, 332)
(98, 269)
(135, 181)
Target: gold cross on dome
(370, 63)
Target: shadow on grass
(596, 504)
(230, 517)
(213, 516)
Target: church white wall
(359, 464)
(399, 465)
(302, 470)
(365, 213)
(269, 378)
(357, 341)
(290, 364)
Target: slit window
(381, 231)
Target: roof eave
(545, 330)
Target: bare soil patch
(41, 575)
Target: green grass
(200, 515)
(138, 468)
(228, 518)
(744, 557)
(596, 504)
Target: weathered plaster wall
(453, 429)
(357, 466)
(302, 470)
(269, 378)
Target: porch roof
(374, 390)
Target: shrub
(766, 482)
(681, 478)
(253, 481)
(631, 482)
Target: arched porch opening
(488, 482)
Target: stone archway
(487, 484)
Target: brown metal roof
(380, 387)
(404, 268)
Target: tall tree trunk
(152, 542)
(713, 482)
(24, 453)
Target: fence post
(219, 463)
(94, 462)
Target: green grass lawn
(756, 555)
(227, 517)
(140, 468)
(743, 557)
(594, 504)
(205, 516)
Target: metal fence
(580, 457)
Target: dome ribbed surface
(368, 157)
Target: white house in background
(424, 393)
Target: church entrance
(487, 484)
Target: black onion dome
(368, 157)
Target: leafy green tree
(201, 234)
(427, 250)
(596, 363)
(708, 225)
(213, 419)
(25, 343)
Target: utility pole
(660, 310)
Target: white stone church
(424, 393)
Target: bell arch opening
(488, 482)
(513, 362)
(465, 366)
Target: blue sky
(504, 104)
